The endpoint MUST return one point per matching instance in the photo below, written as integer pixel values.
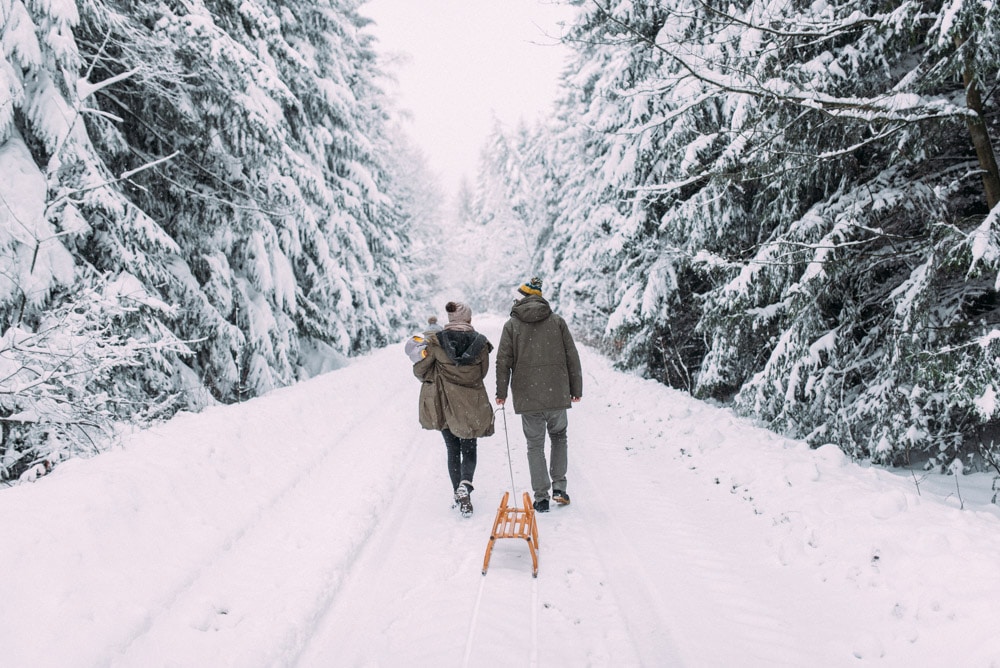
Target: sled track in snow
(474, 622)
(662, 494)
(648, 618)
(246, 542)
(703, 569)
(233, 539)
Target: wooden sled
(515, 523)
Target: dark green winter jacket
(538, 359)
(452, 393)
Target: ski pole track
(272, 518)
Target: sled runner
(515, 523)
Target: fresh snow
(313, 527)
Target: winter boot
(464, 499)
(541, 506)
(560, 497)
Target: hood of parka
(462, 348)
(531, 309)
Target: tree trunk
(980, 134)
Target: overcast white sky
(469, 60)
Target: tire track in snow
(713, 536)
(648, 618)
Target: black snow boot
(464, 499)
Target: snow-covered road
(313, 527)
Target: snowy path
(313, 528)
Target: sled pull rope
(511, 521)
(506, 437)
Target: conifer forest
(791, 208)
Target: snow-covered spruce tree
(811, 178)
(880, 306)
(276, 194)
(613, 268)
(217, 174)
(79, 346)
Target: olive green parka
(538, 359)
(452, 393)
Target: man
(538, 360)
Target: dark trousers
(461, 457)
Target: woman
(453, 398)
